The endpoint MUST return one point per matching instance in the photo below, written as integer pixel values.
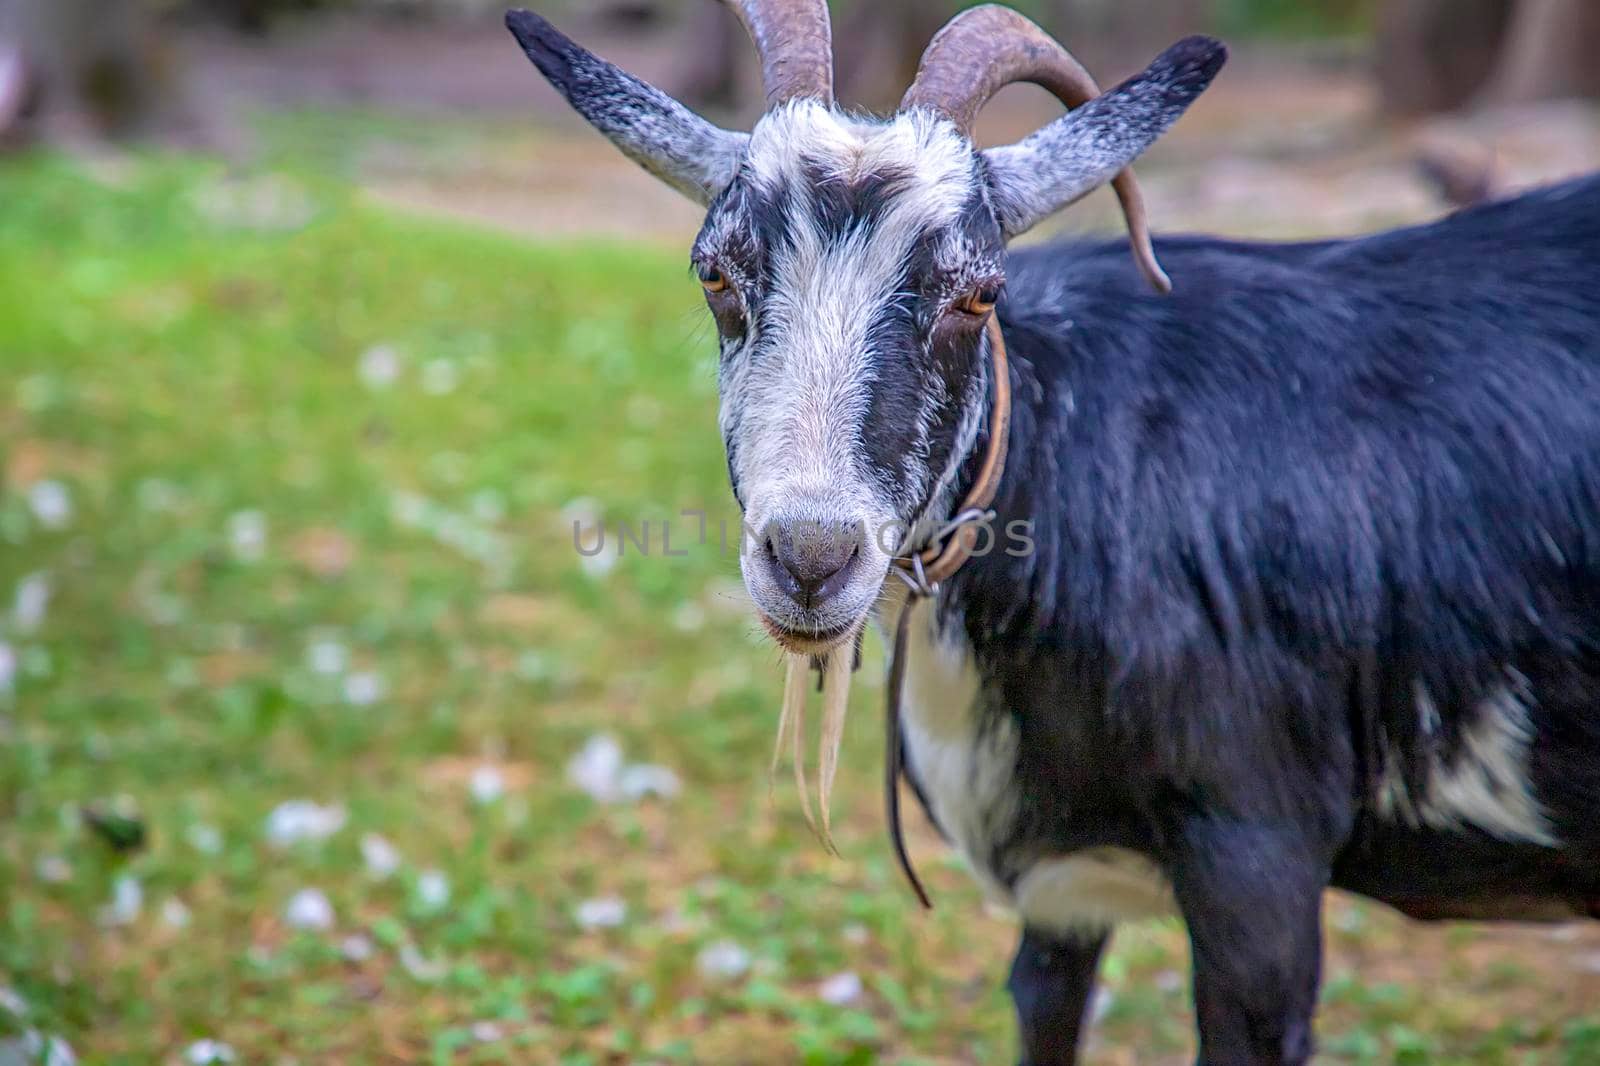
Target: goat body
(1315, 587)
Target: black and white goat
(1314, 590)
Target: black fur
(1267, 509)
(1052, 983)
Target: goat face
(851, 265)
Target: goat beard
(837, 666)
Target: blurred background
(323, 325)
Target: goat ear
(1077, 153)
(654, 130)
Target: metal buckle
(916, 578)
(965, 518)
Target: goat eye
(711, 279)
(980, 301)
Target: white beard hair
(837, 670)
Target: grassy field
(287, 579)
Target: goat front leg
(1252, 899)
(1051, 983)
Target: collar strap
(922, 571)
(953, 544)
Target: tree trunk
(712, 78)
(1111, 35)
(92, 67)
(1553, 52)
(878, 44)
(1436, 55)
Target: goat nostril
(812, 566)
(832, 584)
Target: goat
(1313, 597)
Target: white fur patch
(801, 410)
(967, 775)
(937, 157)
(1093, 889)
(1487, 785)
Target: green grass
(189, 380)
(1296, 18)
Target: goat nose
(812, 561)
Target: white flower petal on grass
(597, 766)
(31, 602)
(646, 779)
(57, 1052)
(309, 908)
(271, 202)
(722, 961)
(51, 504)
(380, 366)
(600, 564)
(327, 657)
(840, 990)
(409, 509)
(36, 1049)
(363, 689)
(208, 1053)
(294, 821)
(127, 900)
(604, 912)
(206, 839)
(486, 785)
(380, 857)
(418, 966)
(357, 948)
(8, 669)
(247, 536)
(583, 520)
(433, 889)
(12, 1002)
(583, 512)
(439, 377)
(599, 770)
(53, 870)
(488, 506)
(855, 933)
(487, 1032)
(175, 913)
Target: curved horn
(795, 41)
(984, 49)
